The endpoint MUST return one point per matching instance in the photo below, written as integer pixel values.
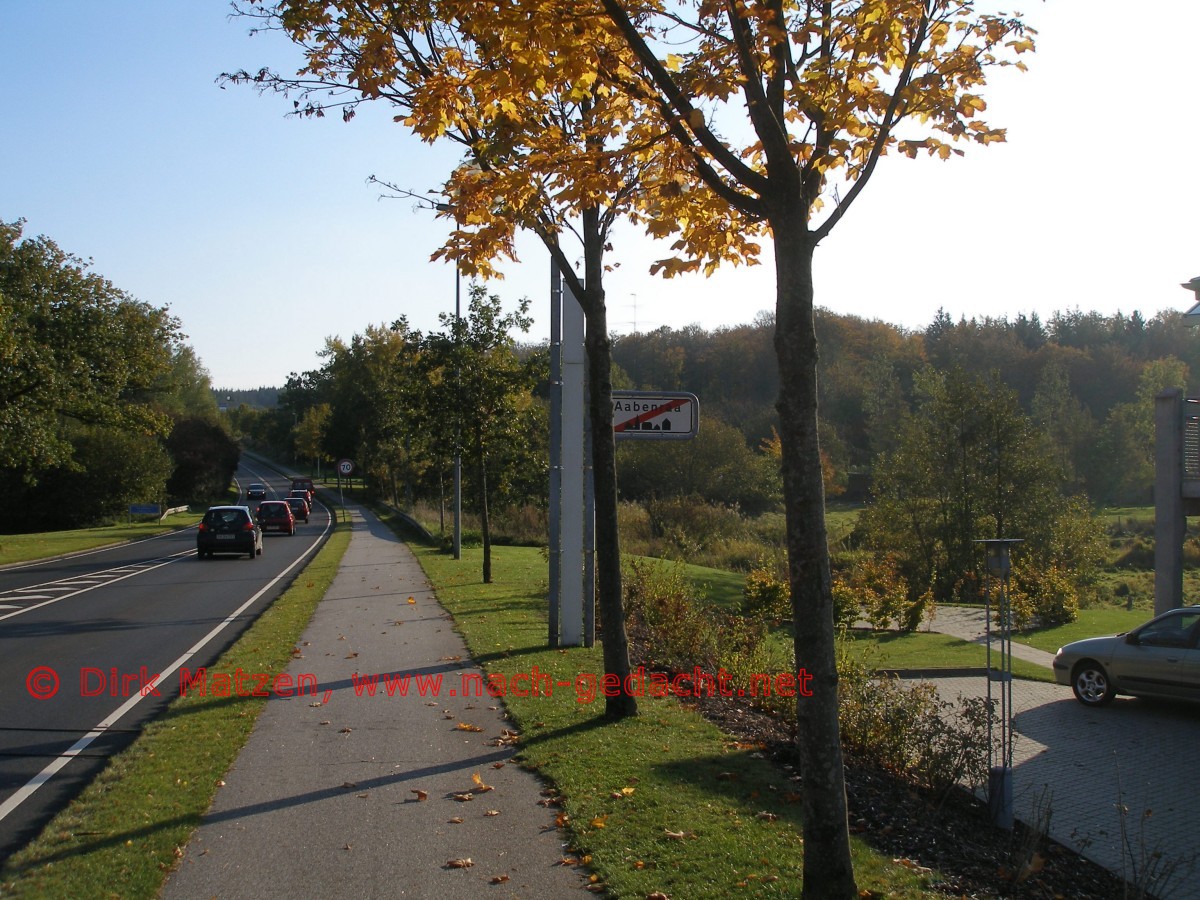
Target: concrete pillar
(1170, 524)
(573, 413)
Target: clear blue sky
(263, 236)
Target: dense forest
(102, 404)
(1086, 379)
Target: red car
(276, 515)
(299, 506)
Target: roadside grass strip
(663, 802)
(126, 830)
(18, 548)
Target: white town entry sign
(655, 415)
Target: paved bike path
(323, 799)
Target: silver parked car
(1158, 659)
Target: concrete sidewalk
(323, 799)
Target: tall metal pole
(457, 543)
(1000, 776)
(555, 447)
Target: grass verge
(122, 835)
(17, 548)
(662, 802)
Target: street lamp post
(1000, 772)
(426, 202)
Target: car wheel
(1091, 684)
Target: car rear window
(216, 518)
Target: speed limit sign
(345, 466)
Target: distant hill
(259, 398)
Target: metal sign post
(344, 467)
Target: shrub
(1042, 596)
(1137, 554)
(767, 596)
(909, 730)
(661, 614)
(875, 584)
(677, 628)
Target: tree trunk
(598, 349)
(604, 474)
(828, 871)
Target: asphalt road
(81, 637)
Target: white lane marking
(73, 593)
(30, 787)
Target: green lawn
(1092, 622)
(663, 802)
(15, 548)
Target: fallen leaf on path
(479, 785)
(498, 879)
(457, 820)
(464, 798)
(422, 796)
(459, 863)
(492, 812)
(463, 726)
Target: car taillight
(249, 526)
(203, 527)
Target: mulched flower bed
(955, 838)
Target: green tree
(481, 392)
(1121, 465)
(717, 466)
(1068, 427)
(969, 465)
(205, 460)
(109, 469)
(74, 348)
(310, 432)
